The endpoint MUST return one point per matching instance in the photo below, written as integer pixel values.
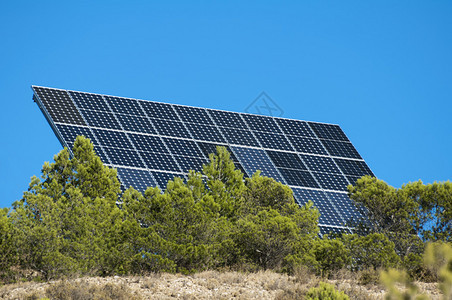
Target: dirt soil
(205, 285)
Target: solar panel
(150, 143)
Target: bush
(325, 291)
(83, 290)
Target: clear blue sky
(382, 70)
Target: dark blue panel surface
(227, 119)
(171, 128)
(159, 161)
(100, 119)
(159, 110)
(149, 143)
(123, 157)
(205, 133)
(320, 164)
(261, 123)
(59, 106)
(353, 167)
(331, 181)
(162, 178)
(256, 159)
(294, 127)
(99, 152)
(273, 141)
(89, 101)
(138, 179)
(125, 106)
(183, 147)
(307, 145)
(136, 124)
(298, 178)
(342, 149)
(286, 160)
(110, 138)
(188, 163)
(352, 179)
(345, 207)
(239, 137)
(328, 131)
(328, 214)
(70, 133)
(193, 115)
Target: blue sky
(382, 70)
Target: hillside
(205, 285)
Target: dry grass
(204, 285)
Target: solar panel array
(150, 143)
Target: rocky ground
(205, 285)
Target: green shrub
(325, 291)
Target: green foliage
(331, 255)
(325, 291)
(408, 217)
(7, 249)
(392, 279)
(374, 251)
(72, 221)
(436, 203)
(386, 210)
(67, 221)
(438, 257)
(273, 230)
(414, 209)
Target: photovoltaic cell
(208, 148)
(352, 179)
(298, 178)
(205, 133)
(273, 141)
(257, 159)
(320, 164)
(111, 138)
(239, 137)
(159, 110)
(353, 167)
(294, 127)
(89, 101)
(100, 119)
(328, 214)
(307, 145)
(136, 124)
(227, 119)
(345, 207)
(188, 163)
(100, 152)
(261, 123)
(193, 115)
(331, 181)
(70, 133)
(59, 106)
(341, 149)
(138, 179)
(328, 131)
(286, 160)
(162, 178)
(183, 147)
(159, 161)
(171, 128)
(125, 106)
(124, 157)
(151, 142)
